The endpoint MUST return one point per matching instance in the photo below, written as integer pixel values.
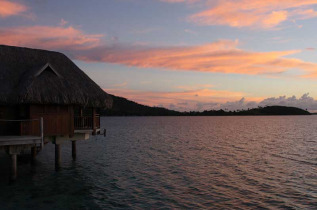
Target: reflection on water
(177, 162)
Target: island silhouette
(124, 107)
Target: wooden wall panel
(57, 119)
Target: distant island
(125, 107)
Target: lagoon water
(176, 162)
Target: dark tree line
(124, 107)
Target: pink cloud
(184, 100)
(266, 14)
(63, 22)
(310, 48)
(9, 8)
(49, 37)
(223, 56)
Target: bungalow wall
(58, 120)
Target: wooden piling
(57, 156)
(74, 153)
(13, 176)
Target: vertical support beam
(13, 175)
(42, 132)
(57, 156)
(72, 123)
(94, 132)
(74, 154)
(33, 154)
(81, 111)
(81, 117)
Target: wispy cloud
(63, 22)
(184, 100)
(259, 14)
(190, 32)
(223, 56)
(120, 85)
(10, 8)
(310, 48)
(279, 40)
(194, 87)
(49, 37)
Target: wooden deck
(19, 140)
(86, 130)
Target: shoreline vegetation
(124, 107)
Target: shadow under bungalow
(45, 97)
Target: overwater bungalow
(45, 97)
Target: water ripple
(177, 163)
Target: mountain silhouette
(124, 107)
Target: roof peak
(44, 68)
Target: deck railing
(86, 122)
(27, 127)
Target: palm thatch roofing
(32, 76)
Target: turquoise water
(176, 162)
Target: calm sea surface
(176, 162)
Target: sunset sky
(180, 54)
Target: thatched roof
(31, 76)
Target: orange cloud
(222, 57)
(254, 13)
(9, 8)
(184, 100)
(49, 37)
